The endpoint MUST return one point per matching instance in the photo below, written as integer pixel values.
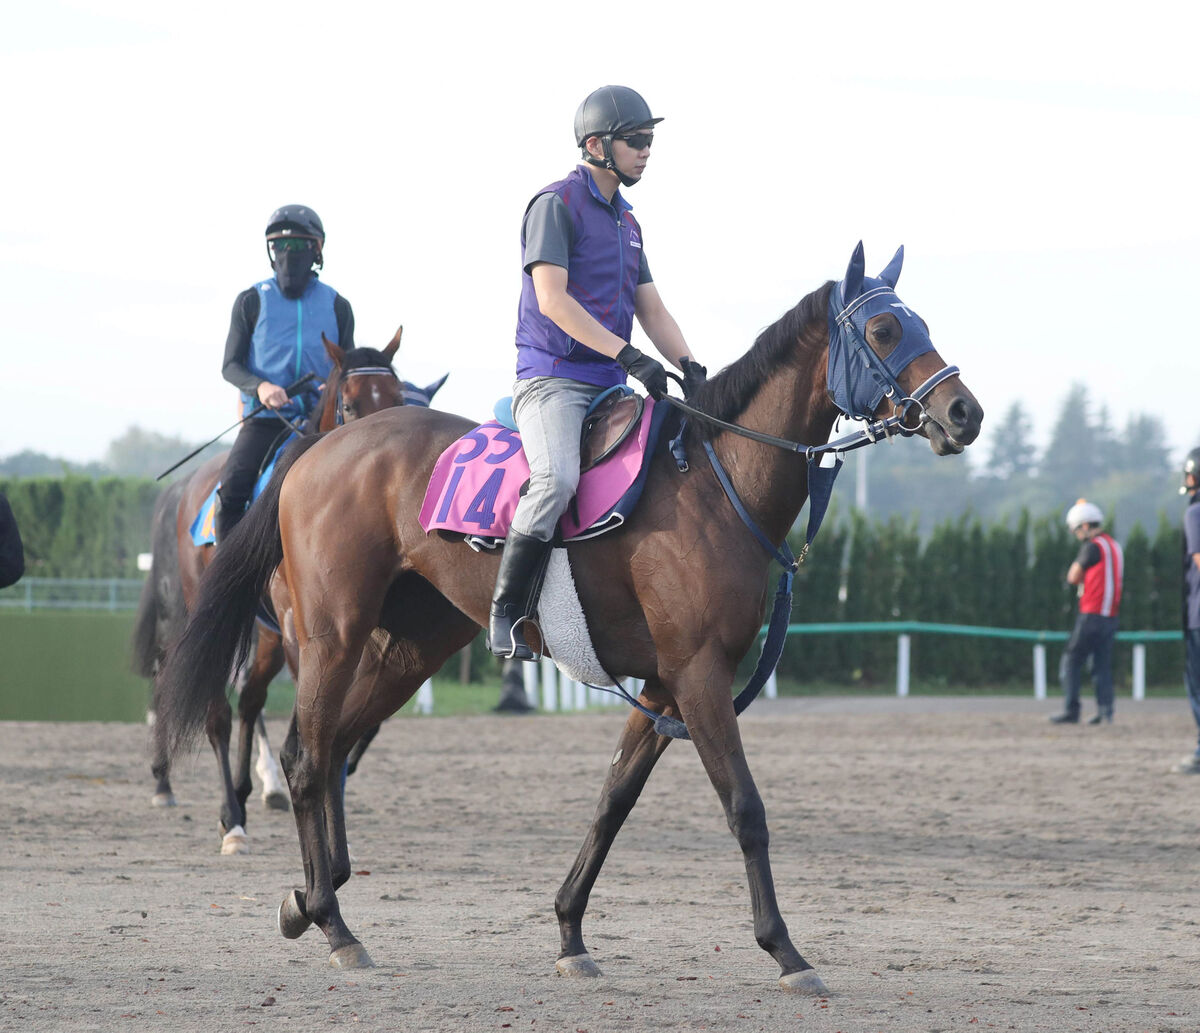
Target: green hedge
(1008, 575)
(80, 526)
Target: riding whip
(292, 391)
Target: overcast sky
(1037, 160)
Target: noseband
(362, 371)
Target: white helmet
(1084, 512)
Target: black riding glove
(693, 375)
(649, 371)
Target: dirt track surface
(945, 865)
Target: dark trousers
(1191, 675)
(250, 451)
(1092, 636)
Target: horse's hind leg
(219, 726)
(638, 750)
(160, 766)
(714, 730)
(252, 697)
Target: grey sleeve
(547, 232)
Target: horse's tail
(160, 604)
(217, 637)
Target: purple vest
(602, 276)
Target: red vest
(1102, 582)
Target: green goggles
(291, 244)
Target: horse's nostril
(960, 413)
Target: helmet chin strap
(608, 163)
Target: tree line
(1005, 573)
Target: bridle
(361, 371)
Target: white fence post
(771, 688)
(549, 684)
(1039, 671)
(581, 700)
(423, 704)
(903, 652)
(530, 673)
(1139, 670)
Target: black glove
(649, 371)
(693, 375)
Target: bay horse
(675, 597)
(361, 381)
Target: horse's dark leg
(293, 917)
(360, 748)
(713, 726)
(160, 766)
(637, 751)
(309, 756)
(233, 816)
(252, 697)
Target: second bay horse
(361, 381)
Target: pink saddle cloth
(477, 481)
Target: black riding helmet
(1191, 465)
(296, 220)
(605, 113)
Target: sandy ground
(945, 864)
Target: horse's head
(363, 380)
(881, 358)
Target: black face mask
(292, 270)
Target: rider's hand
(272, 395)
(649, 371)
(693, 375)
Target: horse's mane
(727, 394)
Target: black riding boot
(522, 566)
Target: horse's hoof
(235, 841)
(292, 920)
(162, 800)
(353, 955)
(577, 966)
(276, 800)
(806, 982)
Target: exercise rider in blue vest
(274, 340)
(585, 279)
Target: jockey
(585, 278)
(274, 340)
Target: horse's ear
(393, 344)
(855, 272)
(892, 273)
(336, 355)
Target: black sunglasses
(638, 141)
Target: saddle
(609, 421)
(477, 481)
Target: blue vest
(602, 275)
(286, 342)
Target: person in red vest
(1097, 571)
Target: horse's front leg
(713, 726)
(637, 751)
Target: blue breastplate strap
(781, 611)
